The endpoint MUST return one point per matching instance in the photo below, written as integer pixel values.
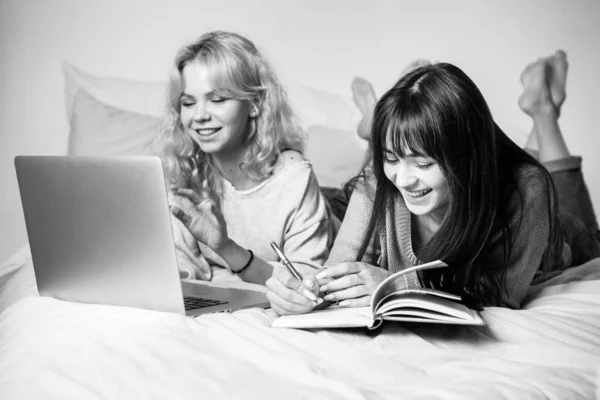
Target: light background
(318, 43)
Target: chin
(416, 210)
(209, 148)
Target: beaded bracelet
(247, 264)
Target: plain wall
(319, 43)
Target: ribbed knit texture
(393, 251)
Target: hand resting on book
(392, 300)
(352, 283)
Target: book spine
(376, 323)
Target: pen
(286, 262)
(293, 271)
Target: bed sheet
(54, 350)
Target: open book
(391, 301)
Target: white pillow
(116, 116)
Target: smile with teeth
(207, 131)
(419, 193)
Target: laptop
(100, 232)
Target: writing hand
(287, 295)
(351, 284)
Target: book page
(333, 317)
(432, 292)
(397, 282)
(421, 319)
(427, 306)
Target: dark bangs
(437, 111)
(410, 127)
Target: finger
(282, 306)
(188, 194)
(205, 206)
(358, 302)
(207, 190)
(285, 276)
(209, 194)
(308, 287)
(338, 270)
(349, 293)
(311, 284)
(287, 295)
(344, 282)
(278, 310)
(181, 215)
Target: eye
(390, 157)
(186, 103)
(424, 165)
(218, 99)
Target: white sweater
(287, 208)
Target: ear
(254, 111)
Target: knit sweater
(287, 208)
(392, 248)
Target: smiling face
(216, 123)
(420, 181)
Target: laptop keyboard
(194, 303)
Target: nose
(404, 177)
(200, 112)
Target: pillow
(98, 129)
(141, 97)
(115, 116)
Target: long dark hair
(437, 110)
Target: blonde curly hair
(236, 70)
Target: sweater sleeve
(350, 236)
(530, 226)
(309, 230)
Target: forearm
(351, 234)
(237, 258)
(530, 226)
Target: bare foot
(538, 101)
(363, 94)
(536, 97)
(557, 77)
(526, 75)
(418, 63)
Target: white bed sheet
(51, 349)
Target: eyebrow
(208, 94)
(416, 155)
(408, 155)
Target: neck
(435, 218)
(428, 224)
(228, 164)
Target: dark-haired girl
(446, 183)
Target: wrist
(236, 256)
(245, 266)
(227, 247)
